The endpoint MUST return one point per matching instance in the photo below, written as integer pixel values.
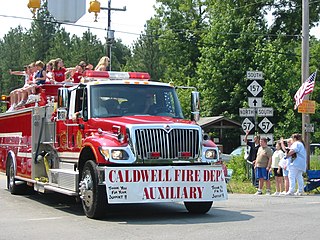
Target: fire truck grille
(160, 144)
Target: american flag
(306, 88)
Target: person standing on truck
(102, 64)
(59, 71)
(254, 146)
(41, 74)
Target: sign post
(256, 108)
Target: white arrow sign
(255, 102)
(269, 138)
(265, 125)
(249, 138)
(247, 125)
(254, 88)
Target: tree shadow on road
(142, 214)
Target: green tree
(12, 56)
(42, 30)
(228, 50)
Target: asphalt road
(54, 216)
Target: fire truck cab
(114, 138)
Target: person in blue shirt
(297, 166)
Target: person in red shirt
(78, 74)
(59, 71)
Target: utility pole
(305, 72)
(110, 33)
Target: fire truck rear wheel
(198, 207)
(93, 196)
(11, 180)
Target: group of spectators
(53, 72)
(287, 163)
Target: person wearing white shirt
(297, 166)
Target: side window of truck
(85, 105)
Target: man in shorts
(262, 165)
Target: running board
(60, 190)
(46, 187)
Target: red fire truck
(114, 138)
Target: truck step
(64, 178)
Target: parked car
(236, 152)
(314, 147)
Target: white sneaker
(298, 193)
(276, 194)
(11, 108)
(289, 194)
(283, 193)
(258, 193)
(268, 192)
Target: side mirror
(61, 114)
(63, 99)
(195, 106)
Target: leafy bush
(239, 166)
(315, 161)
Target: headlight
(211, 154)
(105, 153)
(119, 155)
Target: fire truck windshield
(111, 100)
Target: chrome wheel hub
(86, 191)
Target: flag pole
(305, 72)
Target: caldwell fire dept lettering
(143, 175)
(165, 175)
(172, 193)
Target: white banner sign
(246, 112)
(258, 75)
(265, 112)
(165, 184)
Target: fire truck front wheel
(198, 207)
(93, 196)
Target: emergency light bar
(109, 75)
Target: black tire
(198, 207)
(93, 196)
(11, 180)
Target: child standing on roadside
(277, 170)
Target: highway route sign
(254, 88)
(265, 125)
(247, 125)
(255, 102)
